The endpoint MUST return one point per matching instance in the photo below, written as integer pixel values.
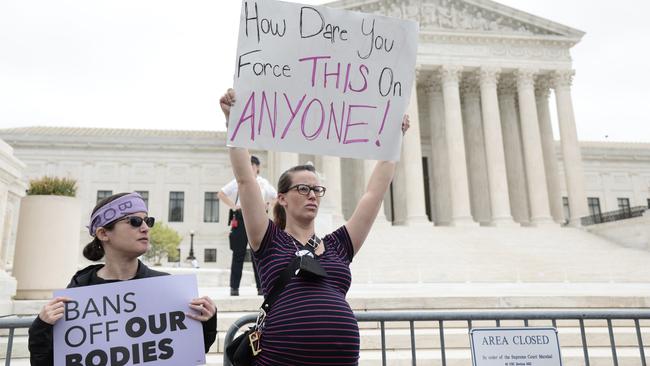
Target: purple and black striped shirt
(310, 323)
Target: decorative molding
(507, 84)
(489, 76)
(418, 71)
(563, 79)
(525, 78)
(542, 86)
(471, 85)
(451, 73)
(453, 15)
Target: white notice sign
(515, 347)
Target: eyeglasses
(136, 221)
(304, 189)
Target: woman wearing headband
(120, 227)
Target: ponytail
(94, 250)
(279, 216)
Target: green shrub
(52, 186)
(163, 242)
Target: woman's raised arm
(252, 204)
(364, 215)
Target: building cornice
(115, 139)
(571, 34)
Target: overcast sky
(162, 64)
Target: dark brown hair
(285, 181)
(94, 250)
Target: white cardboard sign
(323, 81)
(526, 346)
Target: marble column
(4, 218)
(515, 171)
(542, 93)
(368, 168)
(461, 212)
(439, 154)
(331, 168)
(638, 198)
(537, 189)
(411, 164)
(159, 198)
(573, 169)
(399, 187)
(123, 184)
(283, 162)
(494, 154)
(194, 199)
(7, 239)
(475, 150)
(85, 191)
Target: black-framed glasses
(136, 221)
(304, 189)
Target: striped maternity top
(310, 323)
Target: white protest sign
(324, 81)
(527, 346)
(137, 322)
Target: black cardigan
(41, 348)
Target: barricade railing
(11, 323)
(610, 216)
(468, 316)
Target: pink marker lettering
(314, 65)
(349, 124)
(243, 118)
(333, 117)
(293, 113)
(363, 71)
(304, 119)
(383, 121)
(272, 120)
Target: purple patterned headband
(116, 209)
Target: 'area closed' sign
(525, 346)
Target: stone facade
(196, 163)
(12, 188)
(484, 75)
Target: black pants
(239, 246)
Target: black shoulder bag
(244, 347)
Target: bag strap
(284, 278)
(279, 285)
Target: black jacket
(41, 347)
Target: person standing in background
(229, 194)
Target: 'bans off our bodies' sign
(138, 322)
(318, 80)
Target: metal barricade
(441, 317)
(525, 316)
(11, 323)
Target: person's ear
(282, 200)
(101, 234)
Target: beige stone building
(179, 172)
(480, 152)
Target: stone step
(422, 296)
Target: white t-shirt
(266, 189)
